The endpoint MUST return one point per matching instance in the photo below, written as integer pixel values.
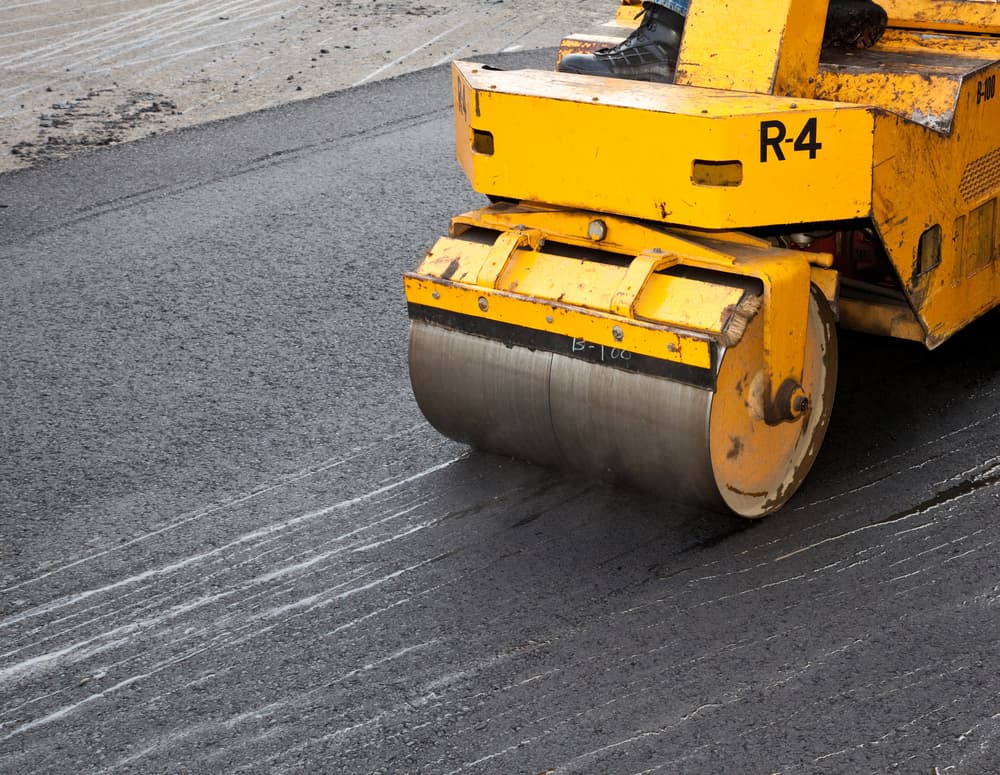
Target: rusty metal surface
(969, 16)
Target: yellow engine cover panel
(937, 208)
(729, 160)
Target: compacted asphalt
(230, 542)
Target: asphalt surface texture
(232, 544)
(83, 74)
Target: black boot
(648, 54)
(853, 24)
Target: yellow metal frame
(761, 130)
(631, 304)
(910, 136)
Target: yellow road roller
(677, 329)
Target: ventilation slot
(981, 176)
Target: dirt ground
(78, 74)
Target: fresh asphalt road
(230, 543)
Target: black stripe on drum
(558, 344)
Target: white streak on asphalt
(876, 525)
(407, 55)
(182, 32)
(111, 639)
(268, 530)
(258, 713)
(81, 650)
(370, 615)
(298, 476)
(369, 666)
(26, 5)
(107, 640)
(68, 709)
(490, 757)
(287, 570)
(924, 460)
(988, 421)
(390, 539)
(121, 27)
(380, 581)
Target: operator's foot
(853, 24)
(648, 54)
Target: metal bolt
(597, 230)
(549, 319)
(617, 333)
(798, 403)
(790, 403)
(484, 305)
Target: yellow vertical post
(760, 46)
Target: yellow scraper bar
(605, 314)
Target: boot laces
(638, 35)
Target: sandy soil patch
(81, 74)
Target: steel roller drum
(707, 447)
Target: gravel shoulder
(80, 75)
